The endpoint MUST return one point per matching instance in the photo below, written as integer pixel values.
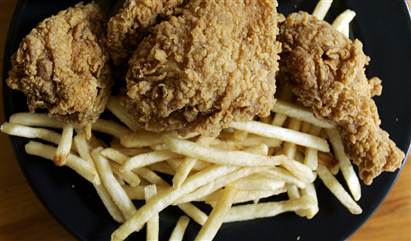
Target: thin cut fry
(182, 172)
(297, 112)
(345, 164)
(252, 183)
(120, 112)
(322, 8)
(110, 127)
(115, 155)
(81, 144)
(216, 184)
(150, 176)
(237, 158)
(137, 193)
(146, 159)
(82, 167)
(30, 132)
(162, 167)
(162, 200)
(64, 146)
(346, 31)
(264, 210)
(217, 216)
(311, 155)
(343, 20)
(179, 229)
(283, 175)
(128, 176)
(141, 139)
(338, 190)
(284, 134)
(113, 187)
(108, 203)
(245, 195)
(310, 193)
(194, 213)
(240, 135)
(153, 225)
(299, 170)
(35, 119)
(290, 148)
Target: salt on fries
(233, 172)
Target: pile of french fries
(233, 173)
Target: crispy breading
(127, 28)
(213, 64)
(326, 72)
(62, 65)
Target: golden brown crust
(62, 65)
(326, 72)
(199, 71)
(126, 29)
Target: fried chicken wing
(326, 73)
(214, 64)
(126, 29)
(62, 65)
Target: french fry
(322, 8)
(299, 170)
(264, 210)
(345, 164)
(237, 158)
(109, 203)
(311, 155)
(283, 175)
(194, 213)
(240, 135)
(82, 146)
(162, 167)
(128, 176)
(242, 196)
(179, 229)
(346, 31)
(83, 149)
(137, 192)
(297, 112)
(82, 167)
(153, 224)
(217, 215)
(183, 170)
(216, 184)
(30, 132)
(64, 146)
(284, 134)
(162, 200)
(343, 20)
(115, 155)
(146, 159)
(253, 140)
(338, 190)
(150, 176)
(113, 187)
(115, 107)
(310, 193)
(279, 119)
(35, 119)
(252, 183)
(141, 139)
(110, 127)
(290, 148)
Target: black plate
(384, 28)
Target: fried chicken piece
(214, 64)
(126, 29)
(326, 73)
(62, 65)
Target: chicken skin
(127, 28)
(326, 73)
(62, 65)
(213, 64)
